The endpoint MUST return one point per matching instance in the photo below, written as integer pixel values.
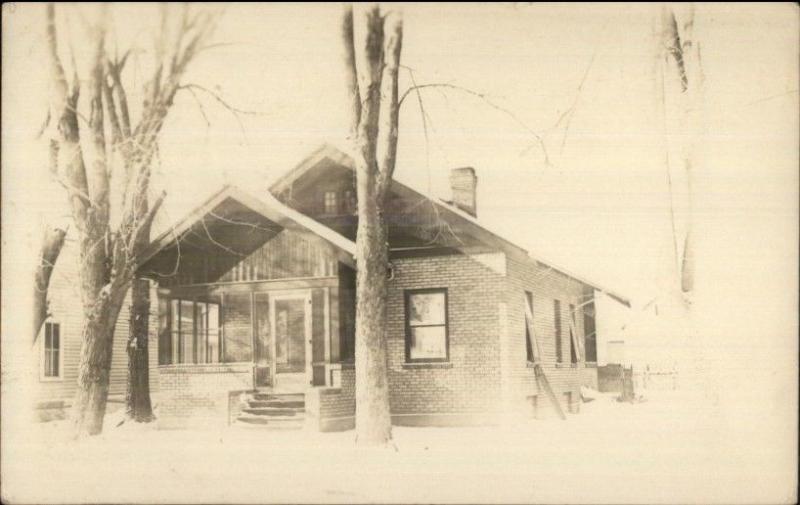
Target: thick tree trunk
(51, 248)
(371, 80)
(373, 419)
(137, 398)
(89, 405)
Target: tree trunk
(373, 419)
(89, 406)
(51, 248)
(137, 398)
(371, 80)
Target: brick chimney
(464, 184)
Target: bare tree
(118, 147)
(372, 60)
(681, 70)
(52, 243)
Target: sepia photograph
(414, 252)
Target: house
(58, 344)
(256, 309)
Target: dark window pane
(238, 327)
(175, 309)
(528, 336)
(557, 323)
(212, 352)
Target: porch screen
(238, 326)
(189, 331)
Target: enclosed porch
(252, 298)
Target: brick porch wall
(333, 408)
(197, 395)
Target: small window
(426, 325)
(589, 334)
(557, 322)
(52, 350)
(330, 204)
(528, 336)
(573, 333)
(350, 202)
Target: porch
(252, 299)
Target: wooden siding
(67, 310)
(289, 255)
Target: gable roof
(329, 153)
(268, 208)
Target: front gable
(323, 187)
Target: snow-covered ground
(672, 448)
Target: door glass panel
(262, 329)
(290, 349)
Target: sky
(597, 203)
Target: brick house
(256, 308)
(220, 273)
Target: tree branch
(485, 98)
(351, 72)
(390, 108)
(52, 244)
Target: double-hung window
(426, 325)
(557, 323)
(51, 364)
(528, 324)
(330, 204)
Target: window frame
(407, 294)
(573, 337)
(43, 354)
(335, 204)
(529, 355)
(558, 331)
(177, 352)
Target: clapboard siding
(66, 310)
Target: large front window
(194, 331)
(426, 325)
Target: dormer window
(330, 205)
(350, 203)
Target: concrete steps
(272, 411)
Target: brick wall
(197, 395)
(488, 372)
(470, 382)
(333, 408)
(546, 285)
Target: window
(573, 333)
(426, 325)
(589, 333)
(350, 203)
(557, 322)
(528, 336)
(330, 204)
(52, 351)
(195, 335)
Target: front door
(292, 331)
